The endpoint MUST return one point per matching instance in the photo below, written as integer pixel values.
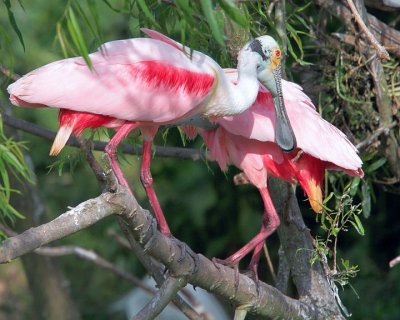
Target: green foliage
(334, 222)
(13, 23)
(12, 163)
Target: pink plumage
(139, 82)
(247, 141)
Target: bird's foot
(184, 252)
(228, 263)
(252, 273)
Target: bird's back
(137, 79)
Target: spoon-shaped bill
(284, 135)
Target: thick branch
(269, 301)
(81, 217)
(311, 282)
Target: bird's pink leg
(111, 150)
(147, 181)
(270, 222)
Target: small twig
(334, 255)
(380, 50)
(394, 261)
(8, 73)
(92, 256)
(164, 295)
(365, 143)
(120, 240)
(269, 262)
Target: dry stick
(381, 51)
(382, 130)
(92, 256)
(164, 295)
(269, 262)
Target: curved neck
(244, 93)
(231, 99)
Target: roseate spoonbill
(246, 140)
(143, 83)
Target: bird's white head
(269, 73)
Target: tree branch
(164, 295)
(381, 51)
(369, 140)
(163, 152)
(81, 217)
(389, 37)
(311, 281)
(268, 301)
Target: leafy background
(201, 204)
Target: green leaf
(145, 9)
(14, 23)
(360, 227)
(376, 165)
(209, 12)
(354, 186)
(366, 199)
(234, 12)
(77, 37)
(184, 6)
(108, 4)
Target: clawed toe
(185, 250)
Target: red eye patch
(278, 53)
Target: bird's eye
(277, 53)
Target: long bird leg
(270, 222)
(111, 151)
(147, 180)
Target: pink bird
(143, 83)
(246, 141)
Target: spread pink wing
(137, 80)
(314, 135)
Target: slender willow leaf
(14, 23)
(366, 199)
(358, 225)
(234, 12)
(376, 165)
(143, 6)
(108, 4)
(208, 11)
(77, 37)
